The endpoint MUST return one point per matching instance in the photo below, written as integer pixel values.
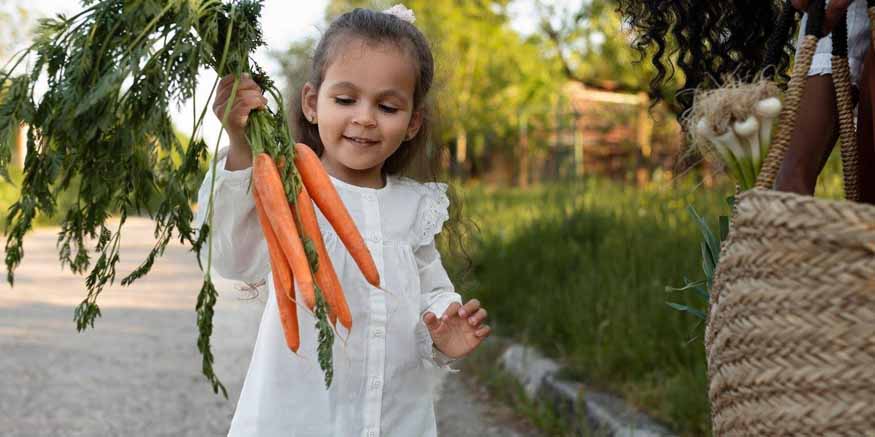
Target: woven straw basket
(791, 332)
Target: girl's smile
(364, 109)
(361, 141)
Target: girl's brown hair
(380, 28)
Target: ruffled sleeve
(239, 248)
(433, 213)
(437, 291)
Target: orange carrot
(326, 198)
(282, 280)
(266, 180)
(326, 276)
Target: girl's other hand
(833, 11)
(248, 98)
(460, 330)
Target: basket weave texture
(791, 334)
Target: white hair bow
(401, 12)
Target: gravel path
(138, 372)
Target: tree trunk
(19, 147)
(462, 150)
(578, 150)
(523, 176)
(645, 127)
(461, 145)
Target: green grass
(10, 192)
(580, 269)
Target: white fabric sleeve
(438, 291)
(858, 43)
(238, 244)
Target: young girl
(364, 112)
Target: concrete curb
(587, 411)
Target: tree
(14, 20)
(593, 45)
(295, 63)
(490, 81)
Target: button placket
(376, 383)
(377, 322)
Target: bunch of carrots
(295, 245)
(112, 72)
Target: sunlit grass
(579, 269)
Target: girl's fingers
(245, 82)
(477, 318)
(483, 332)
(248, 103)
(246, 85)
(242, 107)
(431, 321)
(240, 112)
(470, 308)
(249, 84)
(223, 96)
(452, 309)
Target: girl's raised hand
(460, 330)
(249, 97)
(833, 11)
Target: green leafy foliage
(326, 337)
(710, 250)
(103, 129)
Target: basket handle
(841, 76)
(778, 149)
(844, 101)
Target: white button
(378, 332)
(372, 433)
(376, 383)
(370, 197)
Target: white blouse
(858, 43)
(386, 369)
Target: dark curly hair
(710, 39)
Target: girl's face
(364, 109)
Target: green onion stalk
(733, 124)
